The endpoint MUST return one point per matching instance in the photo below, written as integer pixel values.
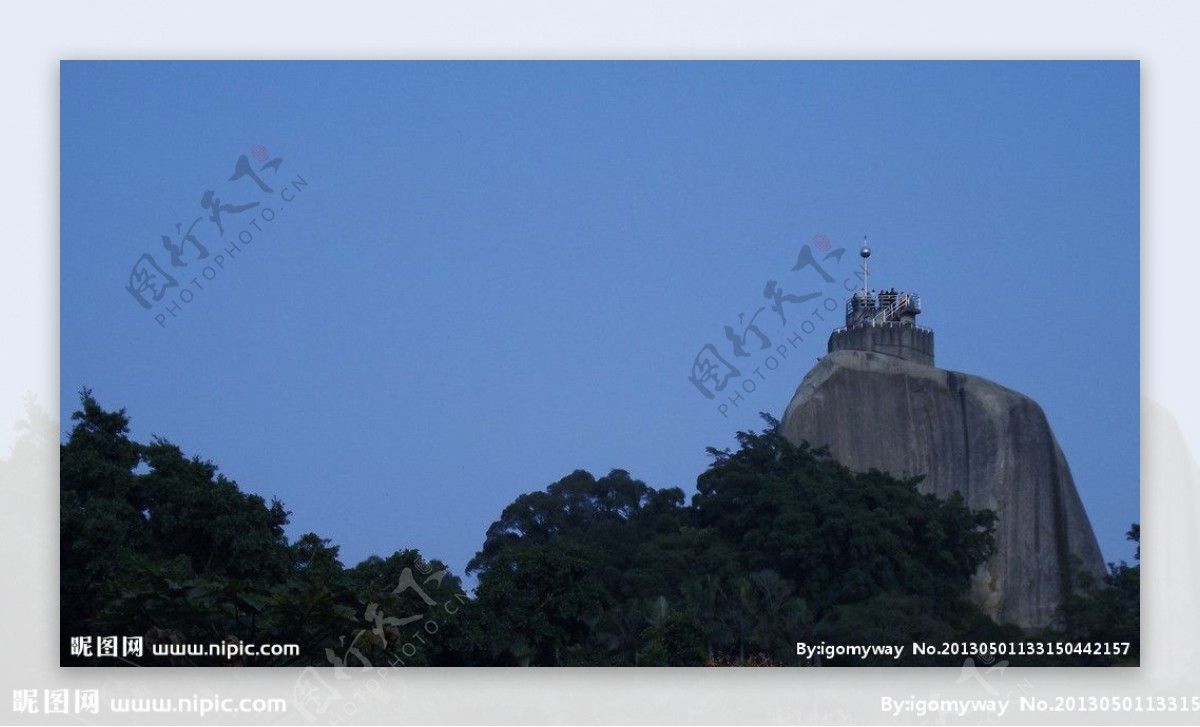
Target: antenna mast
(865, 252)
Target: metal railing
(885, 302)
(884, 306)
(872, 323)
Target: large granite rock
(965, 434)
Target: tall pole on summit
(865, 252)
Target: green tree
(178, 554)
(571, 562)
(1104, 612)
(855, 545)
(101, 516)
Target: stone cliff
(900, 414)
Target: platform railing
(898, 304)
(872, 323)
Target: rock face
(965, 434)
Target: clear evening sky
(496, 273)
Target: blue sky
(492, 274)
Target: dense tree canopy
(179, 554)
(780, 544)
